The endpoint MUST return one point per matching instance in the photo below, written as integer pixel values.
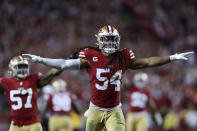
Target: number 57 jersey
(106, 75)
(22, 98)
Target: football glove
(158, 118)
(181, 56)
(33, 58)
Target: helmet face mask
(22, 70)
(140, 80)
(108, 39)
(18, 67)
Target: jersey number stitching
(115, 79)
(18, 99)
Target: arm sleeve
(62, 63)
(129, 56)
(82, 54)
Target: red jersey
(60, 103)
(22, 98)
(138, 99)
(106, 74)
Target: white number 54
(115, 79)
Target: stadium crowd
(56, 28)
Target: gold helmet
(19, 67)
(140, 80)
(59, 85)
(108, 39)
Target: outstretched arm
(46, 78)
(140, 63)
(57, 63)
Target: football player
(60, 103)
(21, 92)
(139, 101)
(106, 65)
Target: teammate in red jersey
(139, 102)
(60, 103)
(106, 65)
(21, 93)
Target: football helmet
(108, 39)
(19, 67)
(140, 80)
(59, 85)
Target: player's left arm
(46, 78)
(140, 63)
(155, 112)
(75, 105)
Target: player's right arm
(61, 64)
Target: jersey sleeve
(129, 55)
(82, 54)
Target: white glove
(158, 118)
(54, 63)
(32, 58)
(181, 56)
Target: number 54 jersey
(22, 98)
(106, 75)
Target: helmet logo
(110, 29)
